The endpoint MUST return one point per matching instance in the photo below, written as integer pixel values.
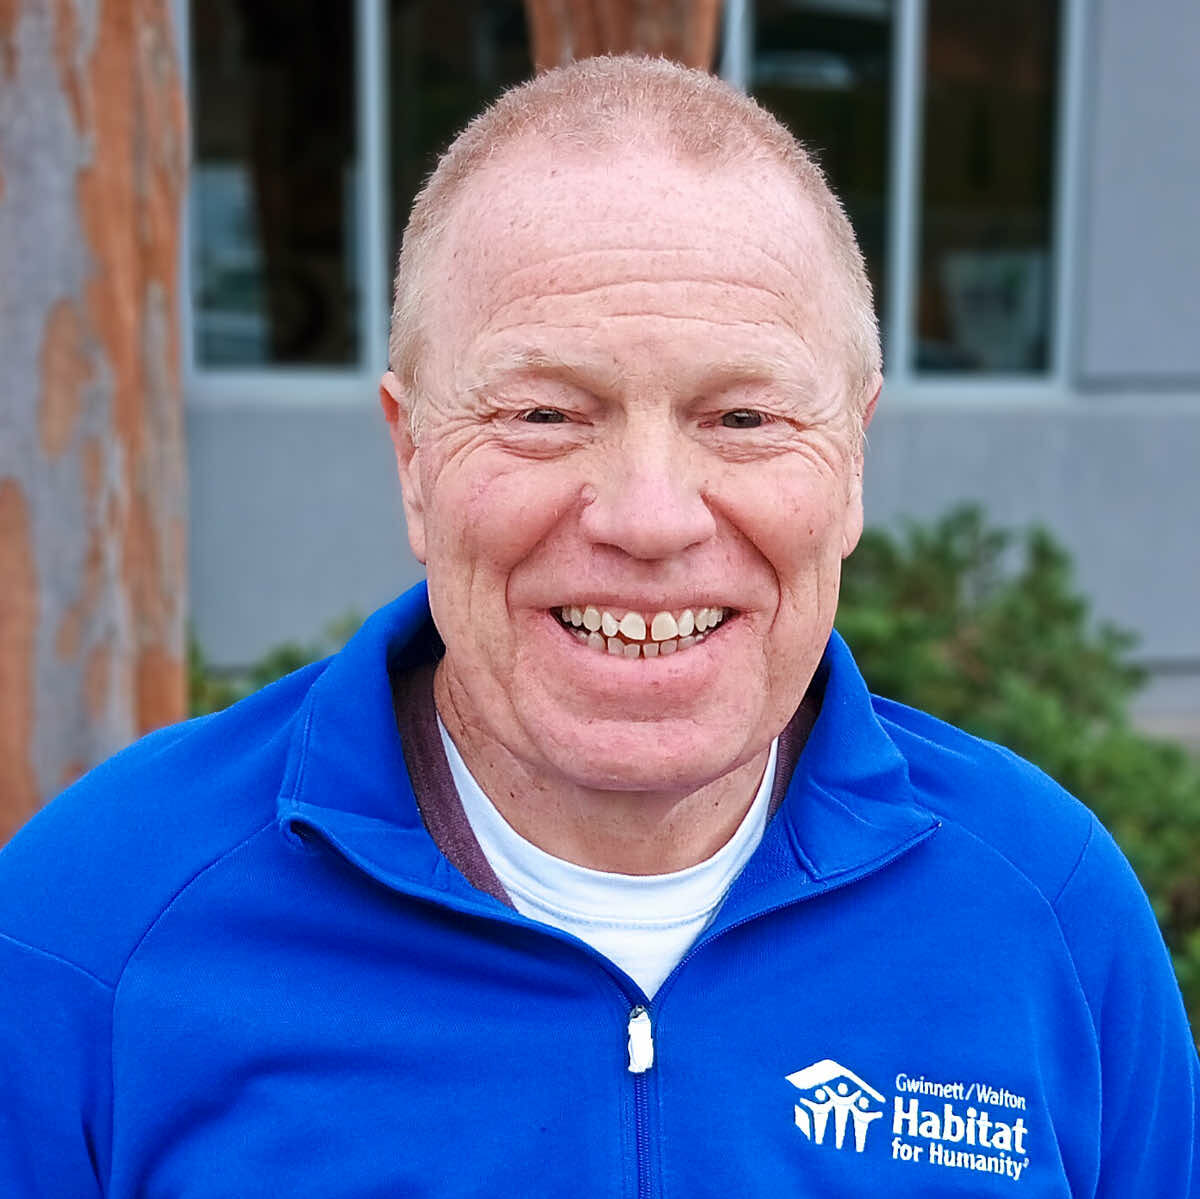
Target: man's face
(632, 403)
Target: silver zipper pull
(641, 1041)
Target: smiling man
(636, 472)
(593, 868)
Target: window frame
(354, 384)
(909, 82)
(315, 386)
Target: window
(825, 70)
(448, 61)
(274, 183)
(960, 249)
(986, 198)
(315, 124)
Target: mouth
(627, 634)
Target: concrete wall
(1140, 254)
(295, 520)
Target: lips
(632, 634)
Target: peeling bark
(91, 445)
(564, 30)
(18, 624)
(9, 11)
(65, 370)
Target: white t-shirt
(643, 923)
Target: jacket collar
(849, 808)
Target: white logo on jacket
(955, 1124)
(831, 1088)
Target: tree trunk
(563, 30)
(92, 510)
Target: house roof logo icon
(833, 1089)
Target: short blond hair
(630, 101)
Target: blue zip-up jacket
(234, 963)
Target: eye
(742, 418)
(543, 416)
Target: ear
(853, 526)
(397, 411)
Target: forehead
(541, 237)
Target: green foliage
(210, 689)
(985, 629)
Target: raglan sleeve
(54, 1075)
(1150, 1074)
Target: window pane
(448, 61)
(989, 130)
(824, 68)
(274, 183)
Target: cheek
(489, 516)
(795, 519)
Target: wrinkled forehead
(540, 209)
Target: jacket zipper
(641, 1041)
(641, 1058)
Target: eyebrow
(514, 364)
(755, 367)
(746, 367)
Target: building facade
(1022, 176)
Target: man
(596, 870)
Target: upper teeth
(663, 626)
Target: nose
(647, 497)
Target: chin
(648, 757)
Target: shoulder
(991, 802)
(85, 878)
(999, 804)
(1003, 804)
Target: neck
(623, 832)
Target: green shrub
(211, 689)
(985, 629)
